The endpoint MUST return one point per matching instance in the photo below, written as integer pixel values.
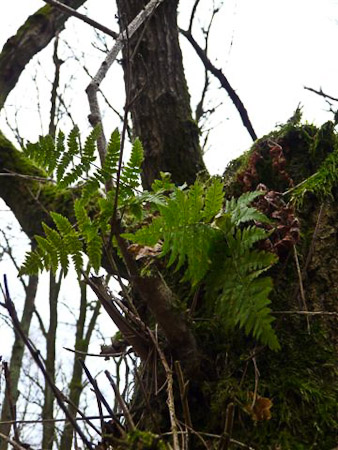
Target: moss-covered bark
(300, 380)
(29, 199)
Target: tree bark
(34, 35)
(159, 97)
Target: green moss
(144, 440)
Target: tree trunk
(48, 430)
(158, 95)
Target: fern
(67, 156)
(320, 183)
(235, 278)
(217, 246)
(213, 199)
(112, 157)
(181, 225)
(215, 243)
(130, 176)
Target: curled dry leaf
(260, 409)
(144, 251)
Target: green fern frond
(62, 224)
(94, 251)
(56, 240)
(90, 188)
(130, 176)
(33, 264)
(320, 183)
(213, 199)
(89, 148)
(241, 212)
(82, 218)
(112, 157)
(68, 155)
(148, 235)
(50, 253)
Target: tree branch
(321, 93)
(37, 358)
(34, 35)
(224, 83)
(88, 20)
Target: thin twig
(74, 13)
(121, 402)
(37, 358)
(57, 63)
(229, 421)
(97, 355)
(183, 386)
(301, 286)
(192, 15)
(101, 397)
(27, 422)
(309, 313)
(224, 83)
(321, 93)
(170, 400)
(14, 444)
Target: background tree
(226, 371)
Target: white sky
(268, 49)
(277, 48)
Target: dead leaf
(260, 410)
(144, 251)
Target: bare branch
(321, 93)
(92, 89)
(37, 358)
(121, 402)
(224, 83)
(74, 13)
(21, 47)
(192, 16)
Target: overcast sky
(268, 49)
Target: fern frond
(148, 235)
(62, 223)
(50, 253)
(33, 264)
(130, 176)
(112, 157)
(213, 199)
(81, 215)
(321, 182)
(55, 239)
(89, 148)
(90, 188)
(68, 156)
(241, 292)
(240, 211)
(94, 251)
